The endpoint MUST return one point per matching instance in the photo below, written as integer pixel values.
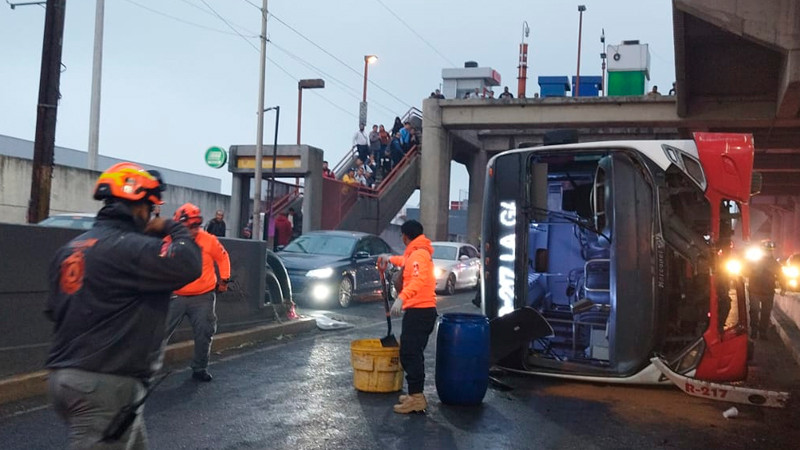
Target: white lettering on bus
(508, 214)
(506, 259)
(510, 243)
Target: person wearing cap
(350, 177)
(109, 297)
(197, 300)
(417, 302)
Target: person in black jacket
(297, 223)
(762, 278)
(216, 226)
(109, 296)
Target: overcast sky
(178, 79)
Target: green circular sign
(216, 157)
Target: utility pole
(271, 196)
(257, 227)
(97, 69)
(45, 140)
(577, 93)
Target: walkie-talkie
(126, 415)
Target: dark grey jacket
(109, 294)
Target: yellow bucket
(375, 368)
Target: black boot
(202, 375)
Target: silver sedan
(457, 266)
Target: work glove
(382, 262)
(397, 307)
(222, 286)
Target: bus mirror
(540, 263)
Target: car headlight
(790, 271)
(320, 292)
(438, 272)
(733, 266)
(324, 272)
(754, 253)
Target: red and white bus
(621, 247)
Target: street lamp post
(305, 84)
(362, 113)
(577, 93)
(603, 57)
(272, 181)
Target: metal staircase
(371, 210)
(375, 208)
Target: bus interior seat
(597, 281)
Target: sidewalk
(22, 386)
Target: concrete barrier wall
(789, 303)
(25, 255)
(72, 190)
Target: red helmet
(188, 214)
(129, 181)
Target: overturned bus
(621, 248)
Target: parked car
(79, 221)
(791, 273)
(457, 266)
(334, 267)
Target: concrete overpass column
(477, 180)
(434, 183)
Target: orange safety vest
(213, 252)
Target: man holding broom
(418, 300)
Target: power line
(342, 85)
(312, 90)
(416, 34)
(228, 23)
(256, 49)
(254, 5)
(356, 71)
(199, 8)
(155, 11)
(236, 33)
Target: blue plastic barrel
(462, 358)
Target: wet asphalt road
(296, 393)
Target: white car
(456, 266)
(79, 221)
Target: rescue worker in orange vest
(197, 299)
(418, 300)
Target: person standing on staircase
(374, 142)
(361, 143)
